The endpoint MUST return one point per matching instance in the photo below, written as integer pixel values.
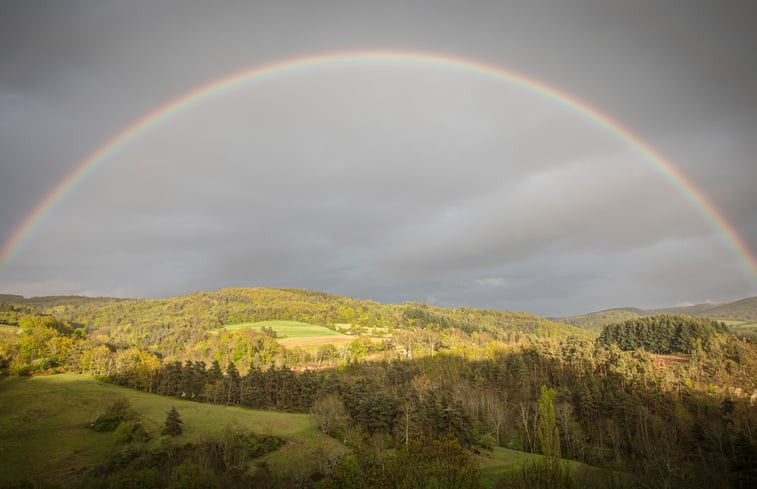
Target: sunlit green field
(9, 333)
(292, 334)
(745, 328)
(44, 433)
(289, 329)
(495, 463)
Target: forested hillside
(167, 326)
(742, 310)
(461, 381)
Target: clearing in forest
(290, 334)
(289, 329)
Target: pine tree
(172, 426)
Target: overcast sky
(385, 180)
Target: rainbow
(698, 200)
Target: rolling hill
(35, 411)
(741, 312)
(167, 325)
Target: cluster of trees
(663, 334)
(423, 462)
(120, 418)
(216, 462)
(44, 345)
(10, 312)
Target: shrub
(117, 411)
(131, 430)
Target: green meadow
(742, 328)
(495, 463)
(9, 333)
(44, 433)
(288, 329)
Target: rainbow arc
(663, 166)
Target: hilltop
(167, 325)
(739, 314)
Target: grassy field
(497, 462)
(292, 334)
(44, 434)
(289, 329)
(9, 333)
(596, 320)
(742, 328)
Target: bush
(131, 430)
(117, 411)
(486, 441)
(135, 478)
(189, 475)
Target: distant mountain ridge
(743, 310)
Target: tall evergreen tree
(173, 423)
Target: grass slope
(44, 434)
(496, 463)
(595, 320)
(742, 328)
(9, 333)
(744, 309)
(288, 329)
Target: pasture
(44, 432)
(290, 334)
(742, 328)
(9, 333)
(494, 464)
(289, 329)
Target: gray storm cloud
(383, 180)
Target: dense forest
(425, 385)
(663, 334)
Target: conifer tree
(173, 423)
